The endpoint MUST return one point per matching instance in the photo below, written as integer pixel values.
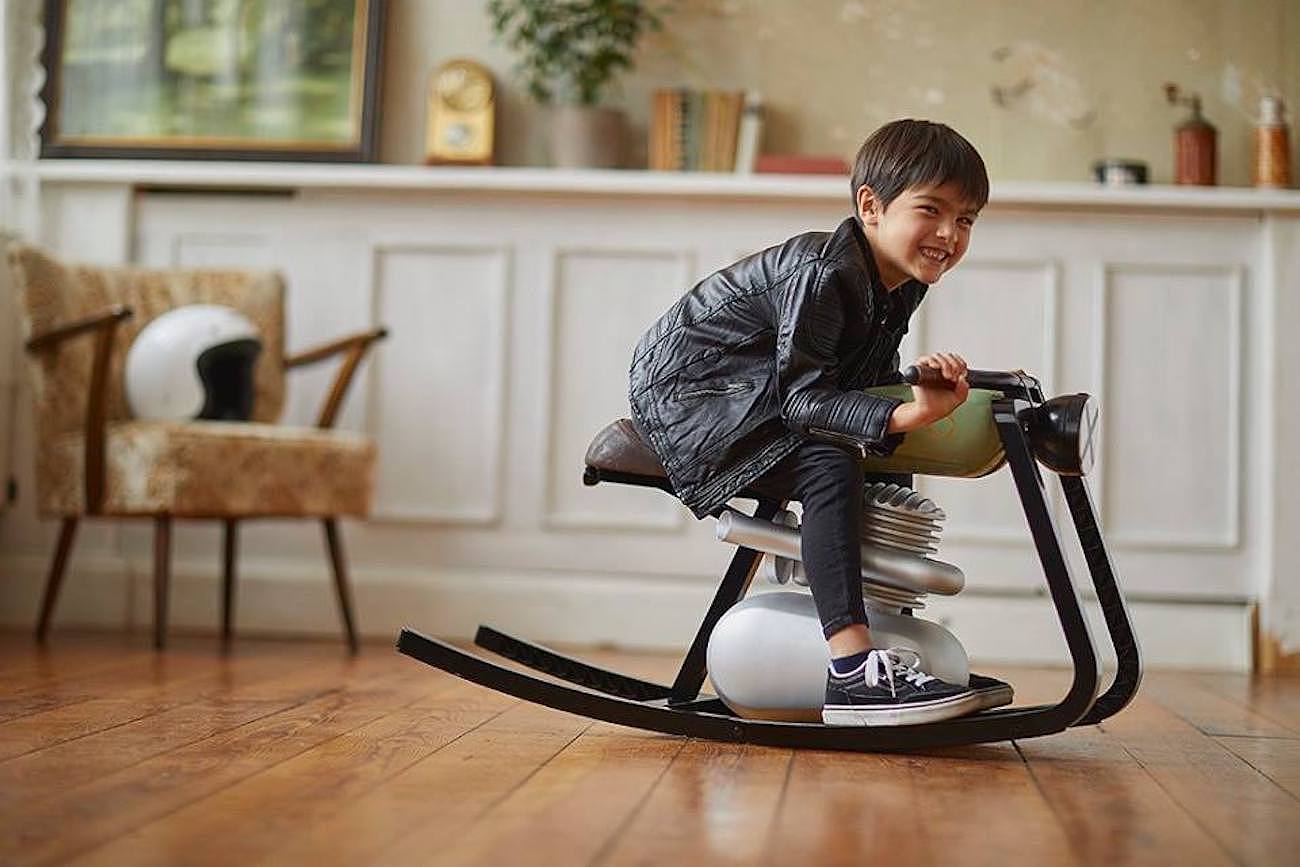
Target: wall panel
(436, 408)
(603, 300)
(1170, 455)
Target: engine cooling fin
(897, 517)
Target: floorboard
(571, 809)
(1251, 817)
(715, 801)
(409, 818)
(295, 753)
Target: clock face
(458, 136)
(464, 88)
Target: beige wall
(833, 70)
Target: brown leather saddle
(618, 454)
(618, 448)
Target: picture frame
(212, 79)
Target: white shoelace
(894, 662)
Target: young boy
(754, 379)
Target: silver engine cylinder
(767, 657)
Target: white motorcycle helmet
(194, 362)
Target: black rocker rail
(1028, 429)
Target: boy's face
(922, 235)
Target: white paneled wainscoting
(514, 298)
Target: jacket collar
(877, 285)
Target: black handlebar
(997, 380)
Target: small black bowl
(1119, 173)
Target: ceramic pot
(586, 137)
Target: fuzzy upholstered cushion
(52, 293)
(214, 469)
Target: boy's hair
(908, 153)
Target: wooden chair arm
(104, 327)
(356, 346)
(334, 347)
(108, 319)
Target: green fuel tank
(965, 444)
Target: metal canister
(1272, 164)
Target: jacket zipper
(856, 444)
(716, 391)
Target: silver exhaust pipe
(890, 566)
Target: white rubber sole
(903, 715)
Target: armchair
(94, 460)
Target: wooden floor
(288, 752)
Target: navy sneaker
(889, 689)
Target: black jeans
(828, 480)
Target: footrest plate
(992, 692)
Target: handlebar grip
(922, 374)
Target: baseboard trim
(1269, 657)
(636, 612)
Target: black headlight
(1061, 433)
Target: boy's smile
(921, 235)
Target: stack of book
(704, 130)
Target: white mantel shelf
(594, 182)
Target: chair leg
(335, 544)
(58, 567)
(162, 569)
(228, 579)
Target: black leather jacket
(764, 353)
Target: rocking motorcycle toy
(765, 654)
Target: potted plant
(569, 52)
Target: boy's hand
(930, 402)
(950, 364)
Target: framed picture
(212, 79)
